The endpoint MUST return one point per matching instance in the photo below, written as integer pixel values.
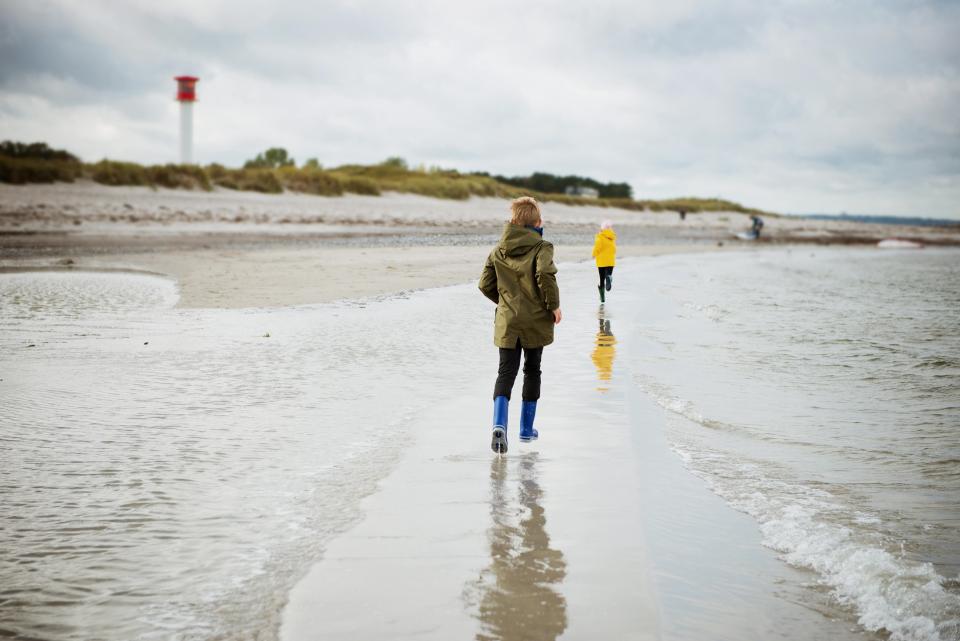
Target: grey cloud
(697, 94)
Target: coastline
(431, 537)
(597, 529)
(277, 276)
(231, 249)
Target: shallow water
(171, 473)
(819, 392)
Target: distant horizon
(792, 107)
(892, 219)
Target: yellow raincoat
(605, 248)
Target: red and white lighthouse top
(186, 88)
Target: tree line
(552, 184)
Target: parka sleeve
(546, 273)
(596, 245)
(488, 281)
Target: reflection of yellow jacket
(605, 248)
(603, 356)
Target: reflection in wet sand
(603, 354)
(516, 597)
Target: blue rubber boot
(499, 442)
(609, 282)
(528, 411)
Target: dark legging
(510, 365)
(604, 272)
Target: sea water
(170, 473)
(818, 391)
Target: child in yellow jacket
(605, 253)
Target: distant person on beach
(605, 253)
(520, 277)
(756, 226)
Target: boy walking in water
(520, 277)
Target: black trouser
(604, 272)
(510, 365)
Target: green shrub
(178, 177)
(110, 172)
(262, 180)
(215, 171)
(546, 183)
(35, 150)
(426, 185)
(272, 158)
(360, 185)
(311, 181)
(395, 162)
(394, 175)
(274, 170)
(20, 171)
(228, 179)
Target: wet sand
(596, 530)
(277, 277)
(458, 543)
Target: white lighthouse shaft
(186, 132)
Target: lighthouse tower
(186, 96)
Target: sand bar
(241, 249)
(458, 543)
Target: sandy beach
(271, 276)
(230, 250)
(240, 249)
(596, 531)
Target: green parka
(520, 277)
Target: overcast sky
(795, 106)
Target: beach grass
(36, 163)
(21, 171)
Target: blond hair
(524, 211)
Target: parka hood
(521, 278)
(609, 234)
(517, 240)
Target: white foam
(777, 386)
(888, 592)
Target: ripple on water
(178, 488)
(823, 405)
(46, 294)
